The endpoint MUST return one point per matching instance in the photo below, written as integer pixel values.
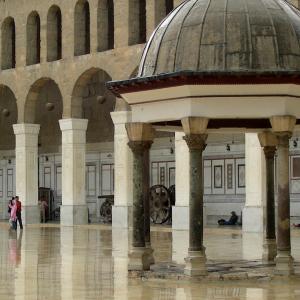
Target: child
(13, 214)
(10, 204)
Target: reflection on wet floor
(90, 262)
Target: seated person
(232, 221)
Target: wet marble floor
(90, 262)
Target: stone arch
(137, 22)
(92, 100)
(8, 44)
(82, 28)
(33, 31)
(44, 106)
(105, 23)
(33, 96)
(8, 117)
(54, 34)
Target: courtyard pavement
(90, 262)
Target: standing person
(10, 204)
(13, 214)
(19, 211)
(43, 206)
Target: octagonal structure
(234, 62)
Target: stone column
(27, 170)
(253, 212)
(180, 212)
(269, 142)
(140, 140)
(283, 127)
(74, 209)
(122, 209)
(194, 128)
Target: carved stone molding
(269, 151)
(139, 147)
(196, 141)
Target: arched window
(137, 22)
(82, 28)
(169, 4)
(106, 26)
(54, 50)
(8, 44)
(33, 39)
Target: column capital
(73, 124)
(196, 141)
(269, 151)
(269, 141)
(139, 147)
(140, 132)
(268, 138)
(25, 128)
(283, 124)
(194, 125)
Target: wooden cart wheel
(160, 204)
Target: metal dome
(225, 36)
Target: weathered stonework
(74, 83)
(283, 127)
(55, 58)
(27, 170)
(140, 140)
(245, 43)
(196, 142)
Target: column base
(73, 215)
(253, 219)
(284, 263)
(31, 214)
(195, 264)
(180, 217)
(138, 259)
(121, 216)
(269, 250)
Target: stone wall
(70, 75)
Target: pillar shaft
(253, 212)
(195, 137)
(146, 188)
(268, 142)
(196, 144)
(270, 203)
(283, 228)
(74, 209)
(283, 127)
(27, 170)
(121, 211)
(140, 140)
(180, 212)
(140, 150)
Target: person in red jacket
(19, 211)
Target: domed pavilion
(210, 66)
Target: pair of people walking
(15, 211)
